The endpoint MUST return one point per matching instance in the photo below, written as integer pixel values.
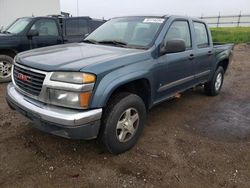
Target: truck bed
(223, 47)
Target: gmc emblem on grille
(23, 77)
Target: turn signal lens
(84, 99)
(88, 78)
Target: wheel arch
(9, 52)
(136, 83)
(140, 87)
(223, 63)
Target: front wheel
(123, 122)
(213, 87)
(5, 68)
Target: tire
(5, 68)
(213, 87)
(123, 122)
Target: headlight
(69, 99)
(73, 77)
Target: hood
(71, 57)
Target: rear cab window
(201, 34)
(94, 24)
(76, 27)
(180, 29)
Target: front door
(175, 71)
(49, 35)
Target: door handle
(59, 41)
(209, 53)
(65, 40)
(191, 56)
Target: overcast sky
(112, 8)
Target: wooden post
(218, 20)
(239, 19)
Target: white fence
(240, 20)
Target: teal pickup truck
(103, 87)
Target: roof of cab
(162, 16)
(61, 17)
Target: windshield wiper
(90, 41)
(7, 32)
(114, 42)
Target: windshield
(18, 26)
(132, 32)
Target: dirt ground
(194, 141)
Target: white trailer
(10, 10)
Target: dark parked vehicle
(35, 32)
(102, 88)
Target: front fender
(111, 82)
(8, 51)
(9, 44)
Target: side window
(179, 30)
(76, 27)
(46, 27)
(201, 35)
(95, 24)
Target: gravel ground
(194, 141)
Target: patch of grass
(231, 34)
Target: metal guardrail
(227, 20)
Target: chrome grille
(27, 80)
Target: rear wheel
(213, 87)
(123, 122)
(5, 68)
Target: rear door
(75, 29)
(204, 53)
(49, 33)
(176, 70)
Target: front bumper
(68, 123)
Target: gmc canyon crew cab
(102, 88)
(36, 32)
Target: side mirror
(32, 33)
(84, 36)
(87, 34)
(173, 46)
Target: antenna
(77, 4)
